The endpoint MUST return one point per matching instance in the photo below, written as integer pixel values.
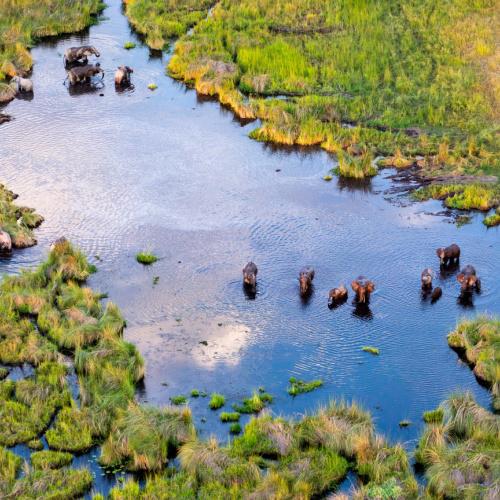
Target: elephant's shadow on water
(25, 96)
(124, 89)
(362, 310)
(85, 88)
(448, 271)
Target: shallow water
(169, 172)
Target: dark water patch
(166, 172)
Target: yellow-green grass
(371, 349)
(474, 196)
(413, 77)
(492, 220)
(254, 404)
(146, 258)
(216, 401)
(23, 22)
(160, 21)
(478, 340)
(17, 221)
(48, 459)
(460, 454)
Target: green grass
(146, 258)
(371, 349)
(195, 393)
(355, 167)
(433, 416)
(389, 69)
(152, 86)
(492, 220)
(300, 386)
(216, 401)
(23, 22)
(10, 464)
(256, 403)
(178, 400)
(478, 340)
(461, 453)
(229, 416)
(462, 196)
(16, 220)
(129, 45)
(235, 428)
(49, 459)
(4, 372)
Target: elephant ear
(370, 287)
(355, 286)
(461, 277)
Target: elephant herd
(362, 287)
(80, 71)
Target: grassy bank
(23, 22)
(460, 452)
(416, 78)
(478, 341)
(17, 221)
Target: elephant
(23, 84)
(426, 278)
(362, 287)
(122, 76)
(449, 255)
(337, 296)
(306, 277)
(5, 242)
(436, 294)
(468, 279)
(250, 276)
(79, 54)
(84, 73)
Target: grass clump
(129, 45)
(229, 416)
(461, 453)
(478, 340)
(433, 416)
(17, 221)
(235, 428)
(300, 386)
(178, 400)
(462, 196)
(152, 86)
(49, 459)
(371, 349)
(142, 435)
(72, 431)
(216, 401)
(492, 220)
(195, 393)
(146, 258)
(355, 167)
(4, 372)
(10, 463)
(254, 404)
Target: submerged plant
(300, 386)
(178, 400)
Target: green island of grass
(17, 221)
(493, 220)
(478, 341)
(300, 386)
(254, 404)
(146, 258)
(216, 401)
(371, 349)
(22, 24)
(409, 81)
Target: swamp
(351, 137)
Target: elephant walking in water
(79, 54)
(82, 74)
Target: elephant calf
(449, 255)
(306, 277)
(337, 296)
(79, 54)
(426, 278)
(23, 84)
(122, 76)
(84, 73)
(250, 276)
(468, 279)
(362, 287)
